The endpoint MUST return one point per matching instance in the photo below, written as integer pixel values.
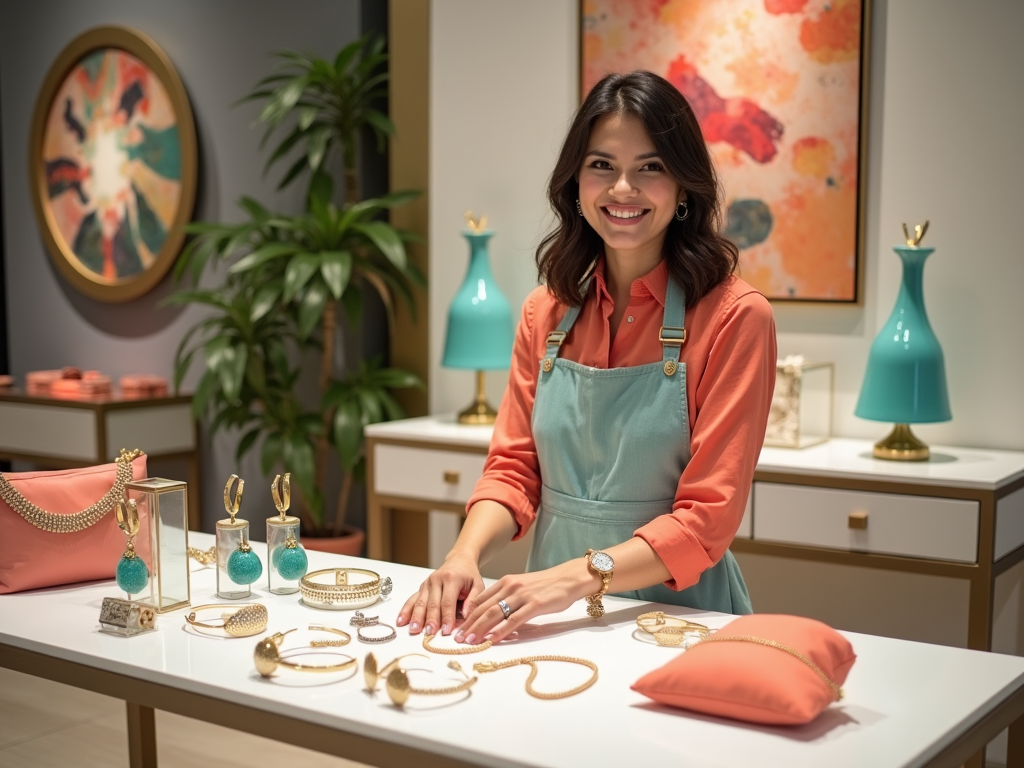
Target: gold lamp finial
(475, 225)
(919, 231)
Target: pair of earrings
(244, 566)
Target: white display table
(957, 522)
(907, 704)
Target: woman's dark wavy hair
(698, 256)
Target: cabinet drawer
(914, 526)
(425, 473)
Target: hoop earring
(579, 208)
(686, 211)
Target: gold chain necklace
(531, 661)
(78, 521)
(455, 651)
(836, 690)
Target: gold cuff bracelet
(243, 621)
(268, 655)
(399, 687)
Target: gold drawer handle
(451, 477)
(858, 521)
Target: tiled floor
(48, 725)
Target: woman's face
(626, 194)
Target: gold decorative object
(493, 666)
(288, 561)
(836, 690)
(399, 688)
(79, 521)
(456, 651)
(476, 225)
(240, 621)
(919, 233)
(268, 655)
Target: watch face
(602, 561)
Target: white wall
(946, 123)
(503, 86)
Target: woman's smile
(624, 215)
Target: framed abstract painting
(780, 90)
(113, 164)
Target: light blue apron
(612, 444)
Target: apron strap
(557, 336)
(673, 326)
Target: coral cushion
(752, 682)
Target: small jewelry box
(801, 413)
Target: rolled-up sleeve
(733, 398)
(512, 473)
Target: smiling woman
(629, 445)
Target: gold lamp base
(901, 445)
(480, 412)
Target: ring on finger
(505, 609)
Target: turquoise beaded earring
(132, 571)
(290, 558)
(243, 566)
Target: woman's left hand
(527, 595)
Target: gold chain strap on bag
(79, 521)
(836, 690)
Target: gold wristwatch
(602, 564)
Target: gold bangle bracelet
(531, 661)
(341, 592)
(399, 688)
(244, 621)
(268, 655)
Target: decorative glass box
(165, 504)
(801, 413)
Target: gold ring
(244, 621)
(372, 673)
(399, 687)
(268, 655)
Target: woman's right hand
(434, 606)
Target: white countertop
(839, 457)
(904, 700)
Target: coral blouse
(730, 356)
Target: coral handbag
(58, 527)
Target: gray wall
(220, 49)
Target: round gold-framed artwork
(113, 163)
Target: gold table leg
(141, 736)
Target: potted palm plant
(288, 275)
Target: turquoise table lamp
(905, 382)
(480, 328)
